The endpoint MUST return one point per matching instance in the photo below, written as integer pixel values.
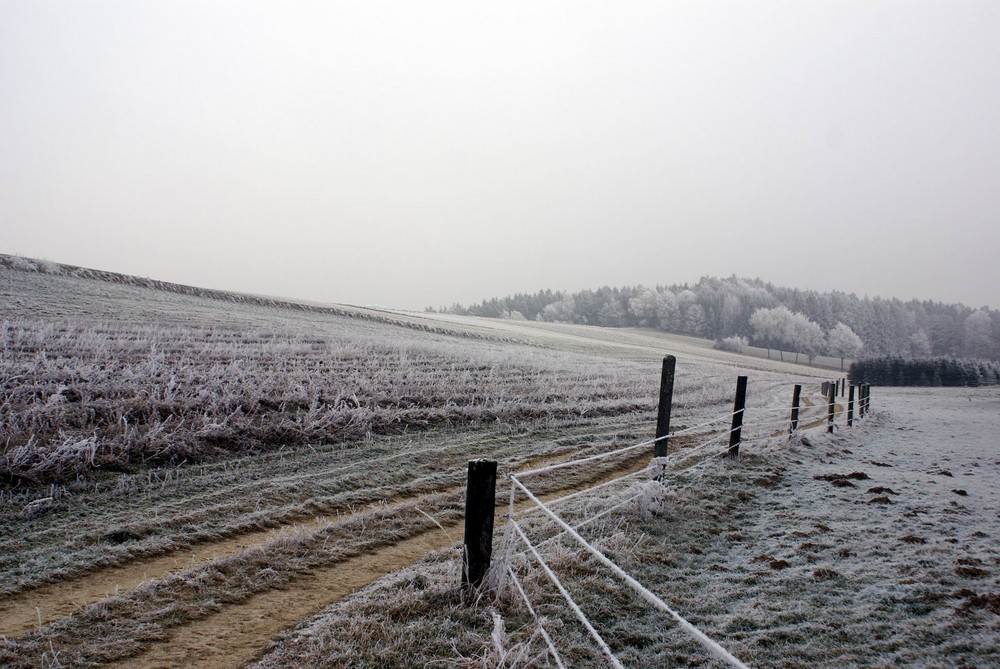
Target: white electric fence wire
(569, 600)
(713, 647)
(591, 519)
(599, 456)
(626, 449)
(693, 428)
(585, 491)
(531, 610)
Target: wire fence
(749, 424)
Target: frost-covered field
(896, 565)
(187, 473)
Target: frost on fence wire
(712, 646)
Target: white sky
(422, 153)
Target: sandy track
(24, 612)
(239, 633)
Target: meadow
(195, 478)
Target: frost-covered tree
(667, 311)
(643, 308)
(978, 339)
(920, 344)
(560, 312)
(844, 343)
(611, 314)
(732, 315)
(772, 328)
(694, 320)
(805, 336)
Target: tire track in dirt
(30, 609)
(239, 633)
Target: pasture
(195, 479)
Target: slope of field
(171, 453)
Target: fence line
(824, 418)
(569, 599)
(712, 646)
(531, 610)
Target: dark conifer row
(897, 371)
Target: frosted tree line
(793, 320)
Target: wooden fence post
(850, 406)
(831, 407)
(796, 393)
(480, 500)
(843, 387)
(868, 398)
(739, 404)
(666, 399)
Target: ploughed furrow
(225, 611)
(320, 502)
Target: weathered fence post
(666, 399)
(796, 393)
(739, 404)
(480, 499)
(843, 387)
(868, 398)
(850, 406)
(831, 407)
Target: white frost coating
(565, 498)
(531, 610)
(627, 500)
(569, 599)
(599, 456)
(712, 646)
(642, 444)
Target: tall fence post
(666, 400)
(480, 500)
(831, 407)
(796, 394)
(868, 398)
(843, 387)
(850, 406)
(739, 404)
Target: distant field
(193, 478)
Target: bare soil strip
(239, 633)
(28, 610)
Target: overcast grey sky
(422, 153)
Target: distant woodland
(736, 311)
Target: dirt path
(26, 611)
(29, 610)
(239, 633)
